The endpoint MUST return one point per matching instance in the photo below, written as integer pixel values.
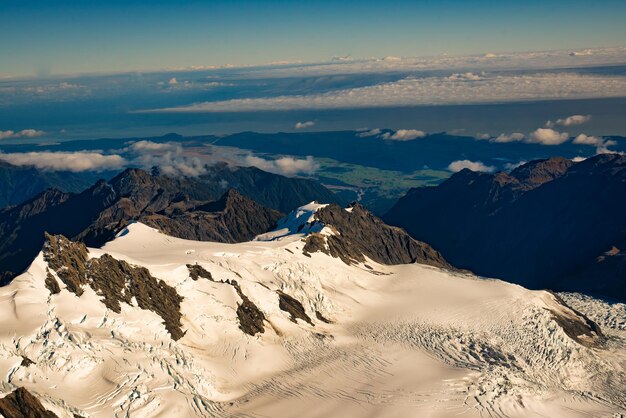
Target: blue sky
(41, 38)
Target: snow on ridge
(456, 344)
(298, 221)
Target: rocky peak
(42, 202)
(360, 234)
(229, 200)
(538, 172)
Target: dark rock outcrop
(362, 234)
(577, 325)
(547, 224)
(51, 283)
(293, 306)
(22, 404)
(233, 218)
(196, 271)
(114, 280)
(251, 318)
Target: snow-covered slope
(367, 340)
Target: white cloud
(305, 125)
(602, 145)
(570, 121)
(429, 91)
(482, 136)
(465, 77)
(404, 135)
(149, 146)
(369, 132)
(169, 157)
(66, 161)
(459, 165)
(514, 137)
(287, 166)
(25, 133)
(172, 81)
(7, 134)
(588, 140)
(547, 136)
(578, 159)
(513, 166)
(172, 160)
(342, 58)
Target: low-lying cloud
(66, 161)
(514, 137)
(172, 160)
(24, 133)
(287, 166)
(547, 136)
(169, 157)
(369, 132)
(403, 135)
(305, 125)
(602, 145)
(569, 121)
(459, 165)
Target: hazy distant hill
(20, 183)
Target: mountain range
(331, 310)
(549, 223)
(20, 183)
(193, 208)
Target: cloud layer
(66, 161)
(287, 166)
(404, 135)
(412, 91)
(25, 133)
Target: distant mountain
(547, 224)
(180, 206)
(436, 150)
(271, 190)
(18, 183)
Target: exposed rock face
(94, 216)
(251, 318)
(549, 223)
(578, 326)
(293, 307)
(233, 218)
(196, 271)
(22, 404)
(115, 281)
(362, 234)
(51, 283)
